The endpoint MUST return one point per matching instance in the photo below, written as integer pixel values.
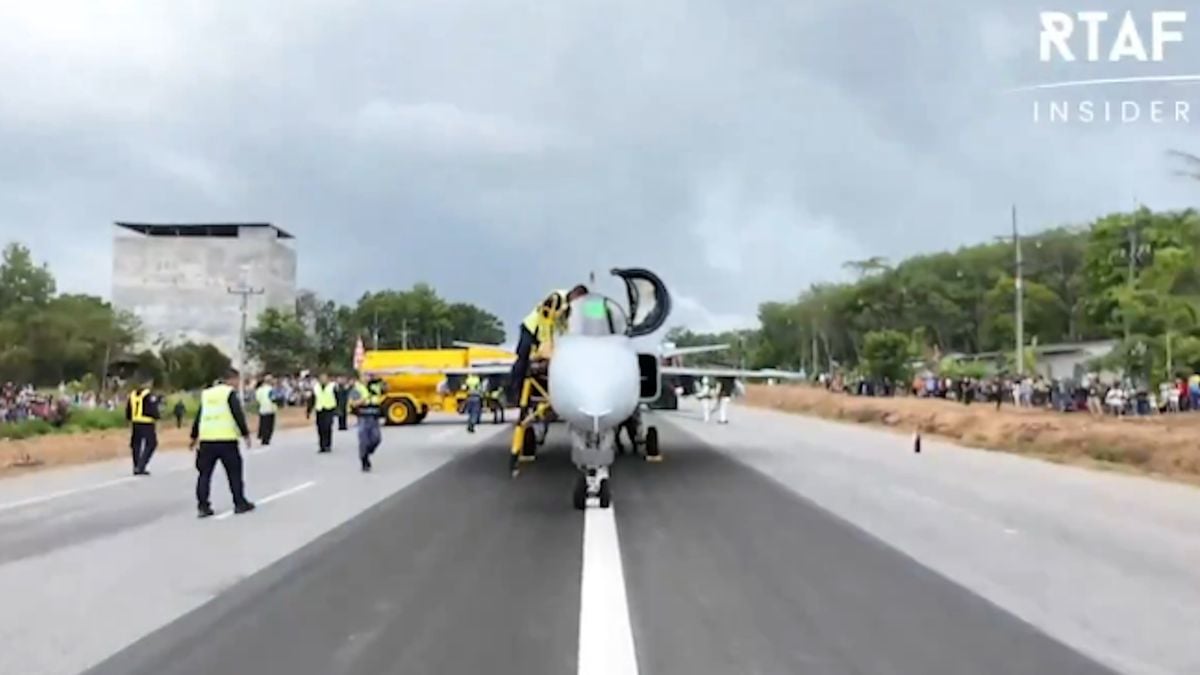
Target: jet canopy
(596, 315)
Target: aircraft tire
(579, 497)
(605, 494)
(529, 442)
(652, 442)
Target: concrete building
(176, 278)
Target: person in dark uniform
(219, 423)
(342, 394)
(267, 405)
(142, 412)
(180, 411)
(325, 407)
(367, 402)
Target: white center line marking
(270, 498)
(64, 493)
(605, 635)
(445, 433)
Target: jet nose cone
(593, 381)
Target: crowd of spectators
(1090, 394)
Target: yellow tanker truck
(410, 396)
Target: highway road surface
(774, 544)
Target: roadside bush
(94, 420)
(26, 429)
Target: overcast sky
(742, 149)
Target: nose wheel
(592, 483)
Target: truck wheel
(401, 412)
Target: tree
(279, 343)
(23, 284)
(193, 366)
(887, 354)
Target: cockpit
(596, 315)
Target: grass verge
(1163, 445)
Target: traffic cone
(917, 441)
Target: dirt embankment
(1166, 445)
(31, 454)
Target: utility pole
(1133, 253)
(375, 332)
(245, 291)
(404, 334)
(1020, 309)
(816, 365)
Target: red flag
(358, 353)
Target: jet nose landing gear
(592, 482)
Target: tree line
(47, 338)
(1131, 276)
(321, 333)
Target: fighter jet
(598, 378)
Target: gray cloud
(495, 149)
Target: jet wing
(689, 371)
(699, 349)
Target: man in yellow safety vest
(537, 330)
(219, 424)
(325, 405)
(265, 397)
(366, 400)
(142, 411)
(474, 403)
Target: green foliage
(279, 343)
(47, 339)
(78, 420)
(957, 368)
(193, 366)
(321, 333)
(1077, 287)
(887, 354)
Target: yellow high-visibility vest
(137, 412)
(472, 383)
(216, 418)
(326, 399)
(541, 321)
(265, 405)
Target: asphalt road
(772, 545)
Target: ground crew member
(725, 390)
(368, 405)
(537, 329)
(325, 406)
(343, 401)
(706, 395)
(497, 402)
(265, 396)
(474, 401)
(142, 412)
(218, 425)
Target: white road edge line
(272, 497)
(65, 493)
(605, 636)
